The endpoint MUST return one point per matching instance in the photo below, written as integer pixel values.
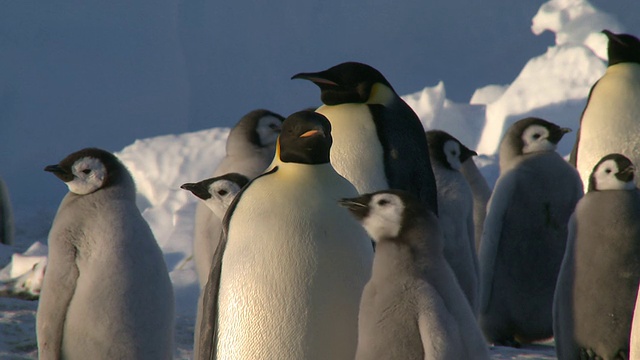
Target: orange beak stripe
(309, 133)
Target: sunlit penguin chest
(611, 122)
(293, 257)
(356, 152)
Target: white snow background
(74, 74)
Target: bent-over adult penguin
(598, 281)
(412, 307)
(288, 274)
(610, 122)
(6, 216)
(378, 139)
(525, 233)
(455, 211)
(106, 293)
(250, 149)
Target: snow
(156, 75)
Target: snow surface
(157, 74)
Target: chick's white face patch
(385, 216)
(605, 177)
(452, 153)
(268, 129)
(536, 138)
(222, 194)
(89, 175)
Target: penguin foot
(588, 354)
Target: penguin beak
(316, 78)
(556, 135)
(611, 36)
(565, 130)
(356, 207)
(626, 175)
(60, 172)
(311, 133)
(197, 189)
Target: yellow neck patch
(381, 95)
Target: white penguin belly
(293, 269)
(611, 122)
(356, 152)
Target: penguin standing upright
(412, 307)
(250, 148)
(379, 141)
(289, 271)
(598, 281)
(106, 292)
(481, 193)
(610, 121)
(455, 211)
(525, 233)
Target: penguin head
(351, 82)
(447, 150)
(259, 128)
(218, 192)
(612, 172)
(305, 139)
(533, 135)
(89, 170)
(622, 48)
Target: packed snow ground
(553, 85)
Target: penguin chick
(598, 281)
(106, 292)
(218, 192)
(455, 211)
(412, 307)
(525, 233)
(481, 194)
(378, 141)
(610, 121)
(294, 294)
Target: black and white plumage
(455, 211)
(378, 139)
(106, 291)
(6, 216)
(412, 307)
(289, 271)
(598, 281)
(610, 122)
(525, 233)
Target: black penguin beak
(612, 37)
(60, 172)
(466, 153)
(197, 189)
(626, 175)
(556, 135)
(356, 206)
(316, 78)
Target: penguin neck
(393, 260)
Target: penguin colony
(284, 229)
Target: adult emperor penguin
(412, 307)
(634, 351)
(481, 193)
(610, 121)
(289, 271)
(525, 233)
(598, 281)
(378, 139)
(250, 148)
(455, 211)
(6, 216)
(106, 293)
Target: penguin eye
(86, 171)
(607, 170)
(383, 202)
(273, 126)
(536, 136)
(222, 192)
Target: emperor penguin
(412, 307)
(106, 293)
(6, 216)
(250, 149)
(598, 281)
(610, 122)
(289, 270)
(634, 351)
(455, 211)
(378, 139)
(525, 233)
(481, 193)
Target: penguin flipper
(58, 287)
(492, 232)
